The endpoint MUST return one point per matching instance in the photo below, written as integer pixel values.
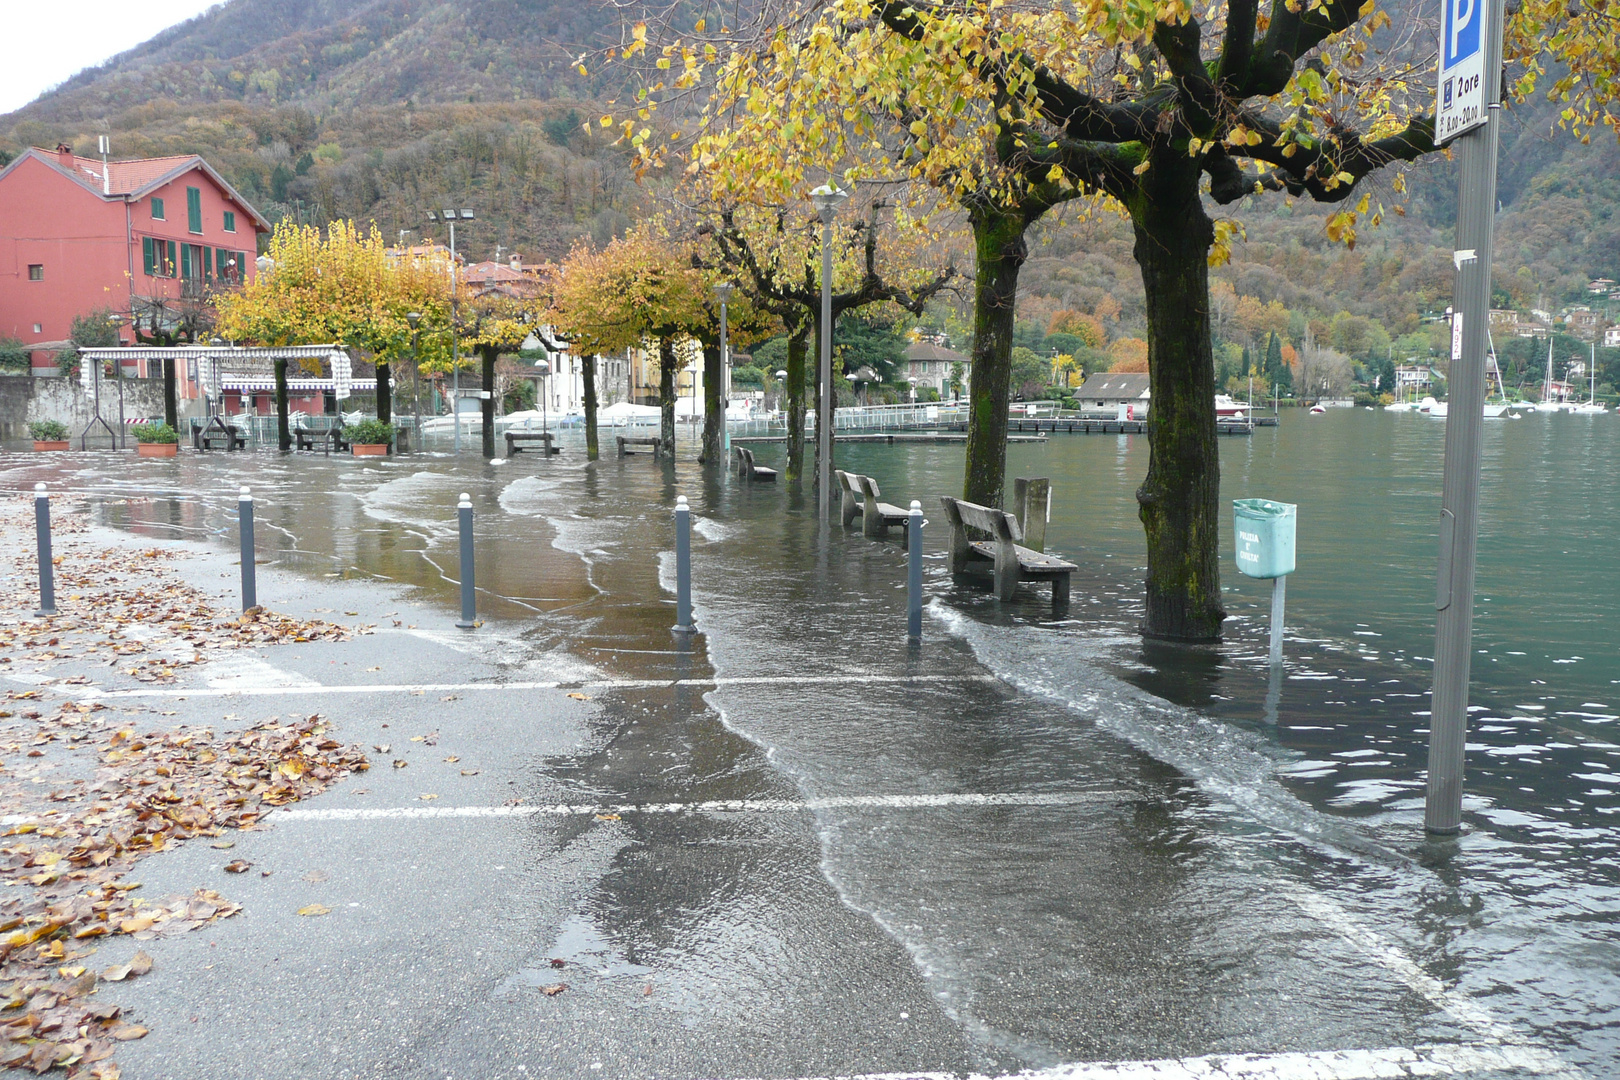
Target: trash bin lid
(1263, 508)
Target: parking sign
(1460, 96)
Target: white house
(1106, 391)
(931, 364)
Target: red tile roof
(127, 176)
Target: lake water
(1256, 837)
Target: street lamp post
(827, 199)
(449, 216)
(414, 318)
(723, 291)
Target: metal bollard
(244, 517)
(683, 566)
(42, 529)
(914, 602)
(469, 592)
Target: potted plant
(49, 434)
(369, 438)
(156, 440)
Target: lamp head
(828, 199)
(413, 318)
(781, 374)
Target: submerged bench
(544, 438)
(329, 440)
(654, 445)
(216, 430)
(1001, 556)
(861, 495)
(748, 470)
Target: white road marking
(742, 806)
(1449, 1060)
(599, 684)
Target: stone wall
(24, 398)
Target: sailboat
(1591, 406)
(1547, 404)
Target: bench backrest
(870, 490)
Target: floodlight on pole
(827, 199)
(449, 216)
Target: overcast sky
(50, 40)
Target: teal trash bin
(1264, 531)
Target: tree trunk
(588, 371)
(714, 411)
(999, 253)
(1179, 500)
(385, 395)
(171, 408)
(666, 395)
(795, 403)
(283, 429)
(486, 402)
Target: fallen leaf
(556, 963)
(383, 749)
(240, 866)
(452, 759)
(607, 817)
(553, 991)
(427, 798)
(127, 1032)
(375, 668)
(117, 973)
(469, 772)
(400, 763)
(579, 697)
(140, 964)
(223, 844)
(315, 909)
(646, 991)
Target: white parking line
(737, 806)
(600, 684)
(1452, 1060)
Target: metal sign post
(1468, 104)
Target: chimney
(64, 155)
(517, 262)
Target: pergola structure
(218, 364)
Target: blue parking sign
(1460, 89)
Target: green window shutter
(168, 259)
(185, 261)
(148, 256)
(157, 209)
(208, 262)
(230, 221)
(194, 209)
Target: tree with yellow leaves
(339, 288)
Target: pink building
(76, 237)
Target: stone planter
(369, 449)
(157, 449)
(42, 445)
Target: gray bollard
(683, 566)
(244, 517)
(42, 530)
(469, 592)
(914, 602)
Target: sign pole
(1469, 101)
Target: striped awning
(254, 385)
(222, 352)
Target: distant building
(1600, 286)
(77, 236)
(1413, 377)
(929, 363)
(1107, 390)
(1611, 338)
(1505, 318)
(501, 279)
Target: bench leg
(1060, 594)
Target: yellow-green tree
(638, 289)
(336, 288)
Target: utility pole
(1469, 108)
(827, 199)
(449, 216)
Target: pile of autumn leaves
(146, 789)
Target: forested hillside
(378, 109)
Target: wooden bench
(877, 516)
(327, 441)
(1001, 556)
(748, 470)
(216, 430)
(654, 446)
(544, 438)
(849, 485)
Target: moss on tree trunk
(666, 395)
(283, 429)
(795, 403)
(1180, 498)
(486, 404)
(588, 371)
(999, 252)
(714, 413)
